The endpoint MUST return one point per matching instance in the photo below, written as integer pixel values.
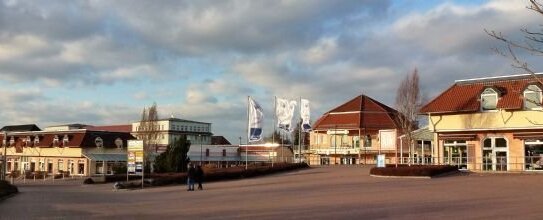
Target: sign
(135, 157)
(381, 160)
(336, 132)
(387, 139)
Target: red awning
(453, 137)
(528, 135)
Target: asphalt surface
(316, 193)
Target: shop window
(533, 153)
(532, 97)
(489, 99)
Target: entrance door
(495, 154)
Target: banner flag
(284, 110)
(305, 114)
(256, 118)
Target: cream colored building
(171, 129)
(489, 124)
(78, 152)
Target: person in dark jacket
(191, 172)
(199, 176)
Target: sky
(101, 62)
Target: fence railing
(487, 163)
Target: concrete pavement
(316, 193)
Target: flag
(305, 115)
(284, 110)
(256, 117)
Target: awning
(453, 137)
(528, 135)
(106, 157)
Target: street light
(200, 136)
(4, 162)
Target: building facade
(489, 124)
(78, 152)
(171, 129)
(354, 133)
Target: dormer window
(36, 140)
(532, 97)
(65, 140)
(119, 143)
(489, 99)
(27, 141)
(99, 142)
(55, 141)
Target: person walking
(199, 176)
(191, 172)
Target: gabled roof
(464, 95)
(76, 138)
(362, 112)
(27, 127)
(219, 140)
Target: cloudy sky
(101, 62)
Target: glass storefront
(456, 153)
(533, 154)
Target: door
(495, 153)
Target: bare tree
(408, 103)
(533, 43)
(149, 132)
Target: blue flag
(256, 117)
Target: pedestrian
(190, 177)
(199, 176)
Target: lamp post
(200, 136)
(4, 162)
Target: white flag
(284, 110)
(305, 115)
(256, 117)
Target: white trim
(341, 113)
(495, 77)
(532, 91)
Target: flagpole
(248, 135)
(300, 134)
(274, 123)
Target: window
(489, 99)
(224, 152)
(99, 142)
(55, 141)
(533, 152)
(65, 140)
(367, 141)
(119, 143)
(455, 153)
(207, 152)
(36, 140)
(532, 97)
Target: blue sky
(101, 62)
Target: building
(354, 133)
(234, 155)
(489, 124)
(171, 129)
(57, 151)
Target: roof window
(532, 97)
(489, 99)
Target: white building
(171, 129)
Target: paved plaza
(316, 193)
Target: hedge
(215, 174)
(7, 189)
(413, 170)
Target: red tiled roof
(82, 138)
(362, 112)
(464, 96)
